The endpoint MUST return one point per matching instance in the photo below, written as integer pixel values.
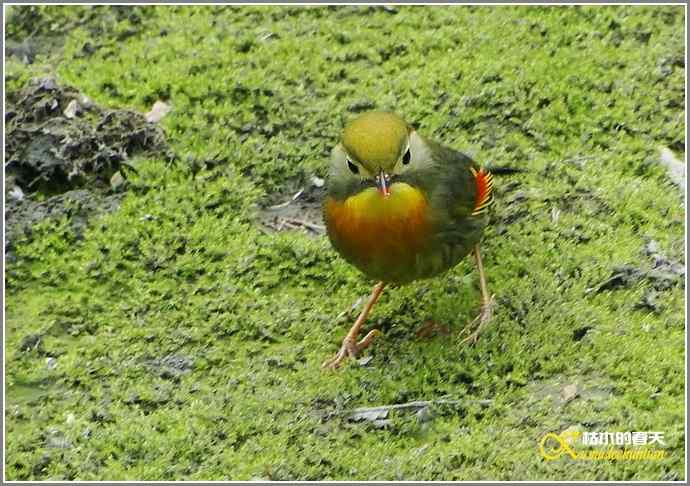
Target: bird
(401, 207)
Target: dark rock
(40, 467)
(648, 303)
(625, 276)
(504, 169)
(30, 342)
(101, 416)
(172, 366)
(661, 262)
(580, 333)
(643, 36)
(362, 105)
(663, 279)
(622, 276)
(25, 51)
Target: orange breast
(382, 236)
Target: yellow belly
(382, 236)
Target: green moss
(187, 341)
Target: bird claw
(485, 315)
(350, 349)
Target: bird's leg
(351, 346)
(487, 304)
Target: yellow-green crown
(376, 139)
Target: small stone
(17, 412)
(57, 440)
(72, 109)
(16, 193)
(47, 84)
(555, 215)
(424, 415)
(365, 360)
(51, 363)
(675, 168)
(652, 247)
(178, 362)
(382, 423)
(420, 451)
(369, 415)
(569, 393)
(85, 101)
(117, 181)
(518, 196)
(317, 181)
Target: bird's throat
(401, 202)
(380, 233)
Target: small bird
(401, 208)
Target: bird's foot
(479, 322)
(429, 328)
(349, 349)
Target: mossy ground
(178, 339)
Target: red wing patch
(485, 187)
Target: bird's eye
(406, 158)
(353, 168)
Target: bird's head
(374, 147)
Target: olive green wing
(460, 187)
(461, 196)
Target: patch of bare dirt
(300, 211)
(67, 156)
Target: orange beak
(382, 181)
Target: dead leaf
(158, 111)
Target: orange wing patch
(485, 187)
